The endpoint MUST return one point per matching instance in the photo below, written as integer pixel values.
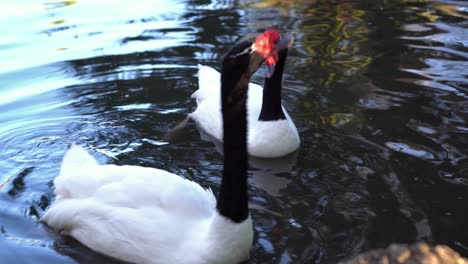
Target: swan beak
(285, 42)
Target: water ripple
(377, 90)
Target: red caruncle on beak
(266, 42)
(272, 59)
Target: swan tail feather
(76, 157)
(208, 83)
(75, 160)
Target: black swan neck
(233, 197)
(271, 103)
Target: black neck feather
(271, 104)
(233, 197)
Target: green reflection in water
(335, 36)
(333, 40)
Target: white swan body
(143, 215)
(266, 139)
(146, 215)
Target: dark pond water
(378, 90)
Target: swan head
(277, 51)
(246, 56)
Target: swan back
(207, 115)
(267, 139)
(141, 213)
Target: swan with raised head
(272, 132)
(146, 215)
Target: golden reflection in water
(57, 22)
(430, 10)
(284, 6)
(334, 36)
(450, 10)
(59, 4)
(333, 45)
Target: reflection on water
(377, 89)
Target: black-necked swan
(146, 215)
(271, 132)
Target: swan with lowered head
(146, 215)
(271, 132)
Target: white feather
(143, 215)
(268, 139)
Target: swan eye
(248, 50)
(252, 49)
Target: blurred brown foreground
(419, 253)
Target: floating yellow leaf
(338, 119)
(429, 16)
(56, 22)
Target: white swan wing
(137, 235)
(147, 190)
(127, 212)
(129, 186)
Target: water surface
(377, 89)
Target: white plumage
(146, 215)
(266, 139)
(143, 215)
